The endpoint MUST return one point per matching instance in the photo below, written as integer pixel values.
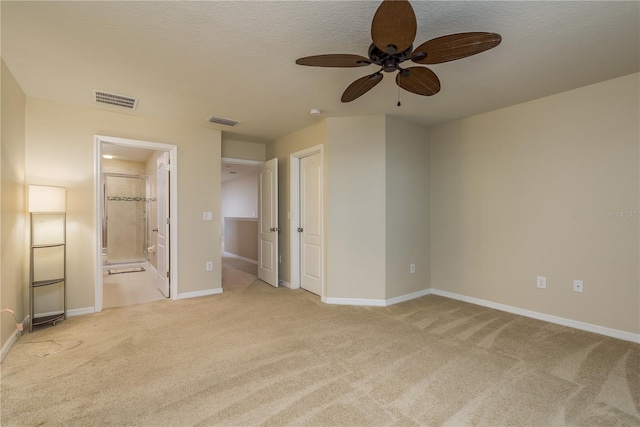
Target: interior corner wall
(281, 149)
(356, 207)
(60, 151)
(407, 208)
(13, 248)
(545, 188)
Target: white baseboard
(197, 294)
(13, 338)
(354, 301)
(230, 255)
(407, 297)
(376, 302)
(72, 312)
(7, 346)
(602, 330)
(80, 311)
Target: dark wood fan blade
(361, 86)
(420, 80)
(394, 26)
(454, 46)
(334, 60)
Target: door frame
(173, 208)
(294, 214)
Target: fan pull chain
(399, 104)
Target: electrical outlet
(578, 286)
(209, 266)
(280, 259)
(412, 268)
(541, 282)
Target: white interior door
(162, 244)
(268, 222)
(310, 225)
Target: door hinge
(169, 276)
(168, 221)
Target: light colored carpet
(237, 274)
(274, 356)
(240, 264)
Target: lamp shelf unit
(45, 320)
(61, 266)
(48, 253)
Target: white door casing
(172, 187)
(268, 222)
(310, 224)
(163, 230)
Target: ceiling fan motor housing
(388, 62)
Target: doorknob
(300, 229)
(155, 229)
(274, 229)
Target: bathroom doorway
(127, 186)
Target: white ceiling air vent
(114, 99)
(221, 121)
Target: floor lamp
(47, 209)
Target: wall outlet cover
(578, 286)
(541, 282)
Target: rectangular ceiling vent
(114, 99)
(221, 121)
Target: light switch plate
(207, 216)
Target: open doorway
(239, 222)
(136, 215)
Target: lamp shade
(47, 199)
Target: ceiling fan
(393, 31)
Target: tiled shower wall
(126, 218)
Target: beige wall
(241, 237)
(407, 208)
(549, 187)
(240, 197)
(60, 151)
(13, 251)
(281, 149)
(356, 207)
(235, 148)
(123, 166)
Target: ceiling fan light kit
(393, 31)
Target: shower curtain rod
(125, 175)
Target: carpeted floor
(260, 355)
(237, 274)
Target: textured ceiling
(235, 59)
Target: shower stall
(125, 219)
